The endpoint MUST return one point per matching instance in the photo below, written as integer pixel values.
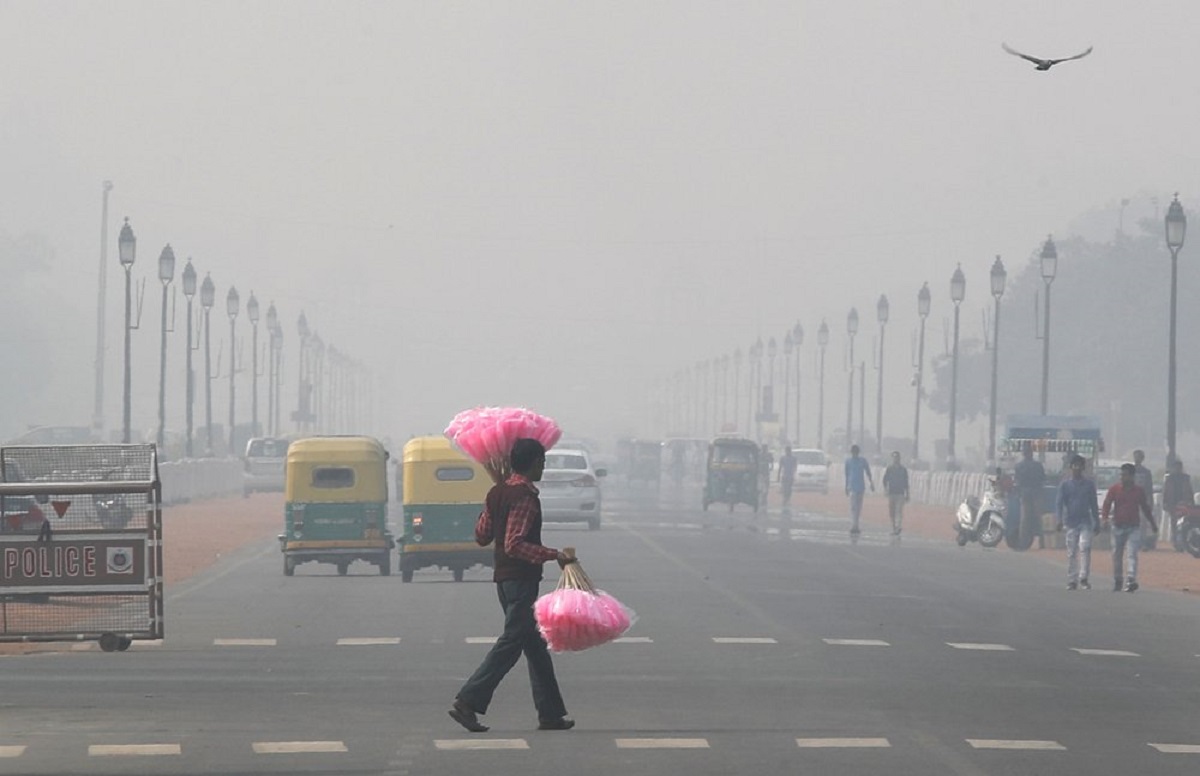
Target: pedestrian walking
(1077, 510)
(858, 474)
(1144, 479)
(1127, 502)
(895, 485)
(1030, 477)
(1177, 490)
(512, 518)
(787, 475)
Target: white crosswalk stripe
(856, 642)
(1177, 748)
(1028, 745)
(843, 743)
(11, 751)
(298, 747)
(368, 641)
(980, 646)
(243, 642)
(477, 744)
(743, 640)
(480, 639)
(1105, 652)
(633, 640)
(133, 750)
(662, 743)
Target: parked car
(570, 488)
(265, 465)
(812, 470)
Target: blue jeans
(1079, 552)
(856, 499)
(1123, 536)
(520, 636)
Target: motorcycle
(982, 519)
(1186, 535)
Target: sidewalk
(1162, 568)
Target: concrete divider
(200, 478)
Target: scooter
(1186, 535)
(982, 519)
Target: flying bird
(1043, 64)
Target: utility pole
(101, 309)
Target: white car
(812, 470)
(570, 488)
(265, 463)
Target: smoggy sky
(556, 204)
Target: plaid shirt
(521, 519)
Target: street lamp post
(797, 340)
(923, 312)
(207, 297)
(127, 249)
(772, 350)
(999, 278)
(725, 390)
(166, 273)
(851, 329)
(756, 392)
(232, 301)
(1176, 223)
(252, 316)
(882, 310)
(1049, 261)
(189, 293)
(302, 400)
(737, 388)
(958, 291)
(272, 325)
(822, 341)
(789, 345)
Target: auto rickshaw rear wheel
(458, 575)
(385, 565)
(342, 569)
(289, 566)
(109, 642)
(124, 643)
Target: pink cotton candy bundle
(577, 616)
(487, 434)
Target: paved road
(764, 644)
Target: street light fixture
(923, 300)
(822, 341)
(166, 274)
(252, 316)
(1176, 223)
(958, 291)
(851, 330)
(1049, 261)
(232, 303)
(798, 340)
(882, 311)
(127, 250)
(999, 278)
(208, 294)
(189, 293)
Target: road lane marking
(11, 751)
(476, 744)
(1105, 652)
(743, 640)
(481, 639)
(298, 747)
(84, 646)
(368, 642)
(662, 743)
(856, 642)
(980, 647)
(133, 750)
(1177, 748)
(843, 743)
(1000, 743)
(633, 640)
(243, 642)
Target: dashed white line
(368, 642)
(633, 640)
(1105, 652)
(856, 642)
(133, 750)
(980, 647)
(480, 639)
(843, 743)
(11, 751)
(84, 646)
(298, 747)
(743, 640)
(1001, 743)
(662, 743)
(1177, 748)
(243, 642)
(477, 744)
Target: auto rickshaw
(443, 495)
(734, 473)
(646, 466)
(336, 504)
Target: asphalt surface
(764, 644)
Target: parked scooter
(1186, 535)
(982, 519)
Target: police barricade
(81, 544)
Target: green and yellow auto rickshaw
(336, 510)
(443, 495)
(734, 473)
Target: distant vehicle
(812, 470)
(265, 464)
(570, 488)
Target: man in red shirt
(512, 517)
(1126, 501)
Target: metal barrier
(81, 544)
